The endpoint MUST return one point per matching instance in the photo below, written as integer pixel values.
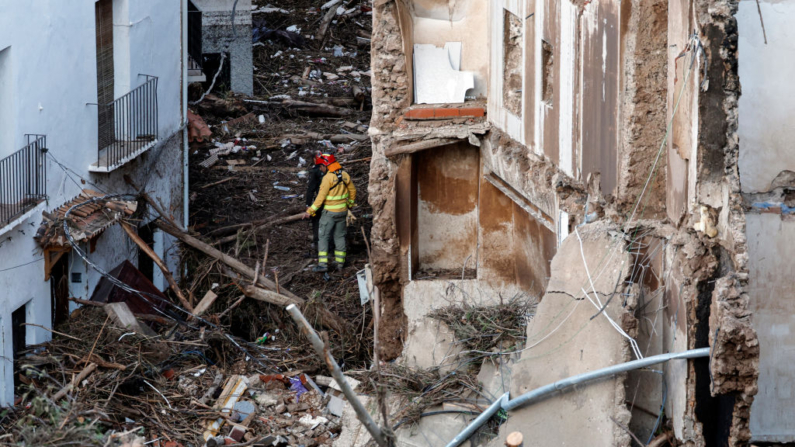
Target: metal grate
(134, 124)
(23, 179)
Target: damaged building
(92, 108)
(601, 158)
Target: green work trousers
(332, 225)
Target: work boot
(320, 268)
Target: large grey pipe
(480, 420)
(562, 385)
(320, 348)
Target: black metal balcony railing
(127, 125)
(23, 179)
(194, 37)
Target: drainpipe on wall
(185, 213)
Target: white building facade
(91, 92)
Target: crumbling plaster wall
(705, 189)
(643, 104)
(391, 91)
(705, 273)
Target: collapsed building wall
(628, 122)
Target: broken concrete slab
(336, 406)
(353, 433)
(122, 316)
(563, 340)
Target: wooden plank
(419, 146)
(205, 303)
(124, 318)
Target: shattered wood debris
(249, 160)
(186, 390)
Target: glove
(351, 218)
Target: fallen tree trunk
(334, 101)
(324, 25)
(326, 318)
(233, 228)
(264, 226)
(235, 264)
(311, 108)
(160, 264)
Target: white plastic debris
(329, 4)
(311, 423)
(339, 50)
(261, 119)
(292, 155)
(301, 161)
(294, 29)
(277, 54)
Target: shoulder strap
(339, 178)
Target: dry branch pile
(480, 328)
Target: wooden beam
(162, 265)
(419, 146)
(226, 259)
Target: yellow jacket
(334, 195)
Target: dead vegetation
(481, 328)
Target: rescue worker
(336, 195)
(315, 176)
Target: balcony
(127, 127)
(23, 181)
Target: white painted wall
(53, 56)
(6, 103)
(766, 107)
(770, 243)
(461, 21)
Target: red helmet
(325, 159)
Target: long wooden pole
(162, 265)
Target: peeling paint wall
(603, 82)
(447, 218)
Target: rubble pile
(250, 158)
(181, 387)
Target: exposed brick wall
(391, 96)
